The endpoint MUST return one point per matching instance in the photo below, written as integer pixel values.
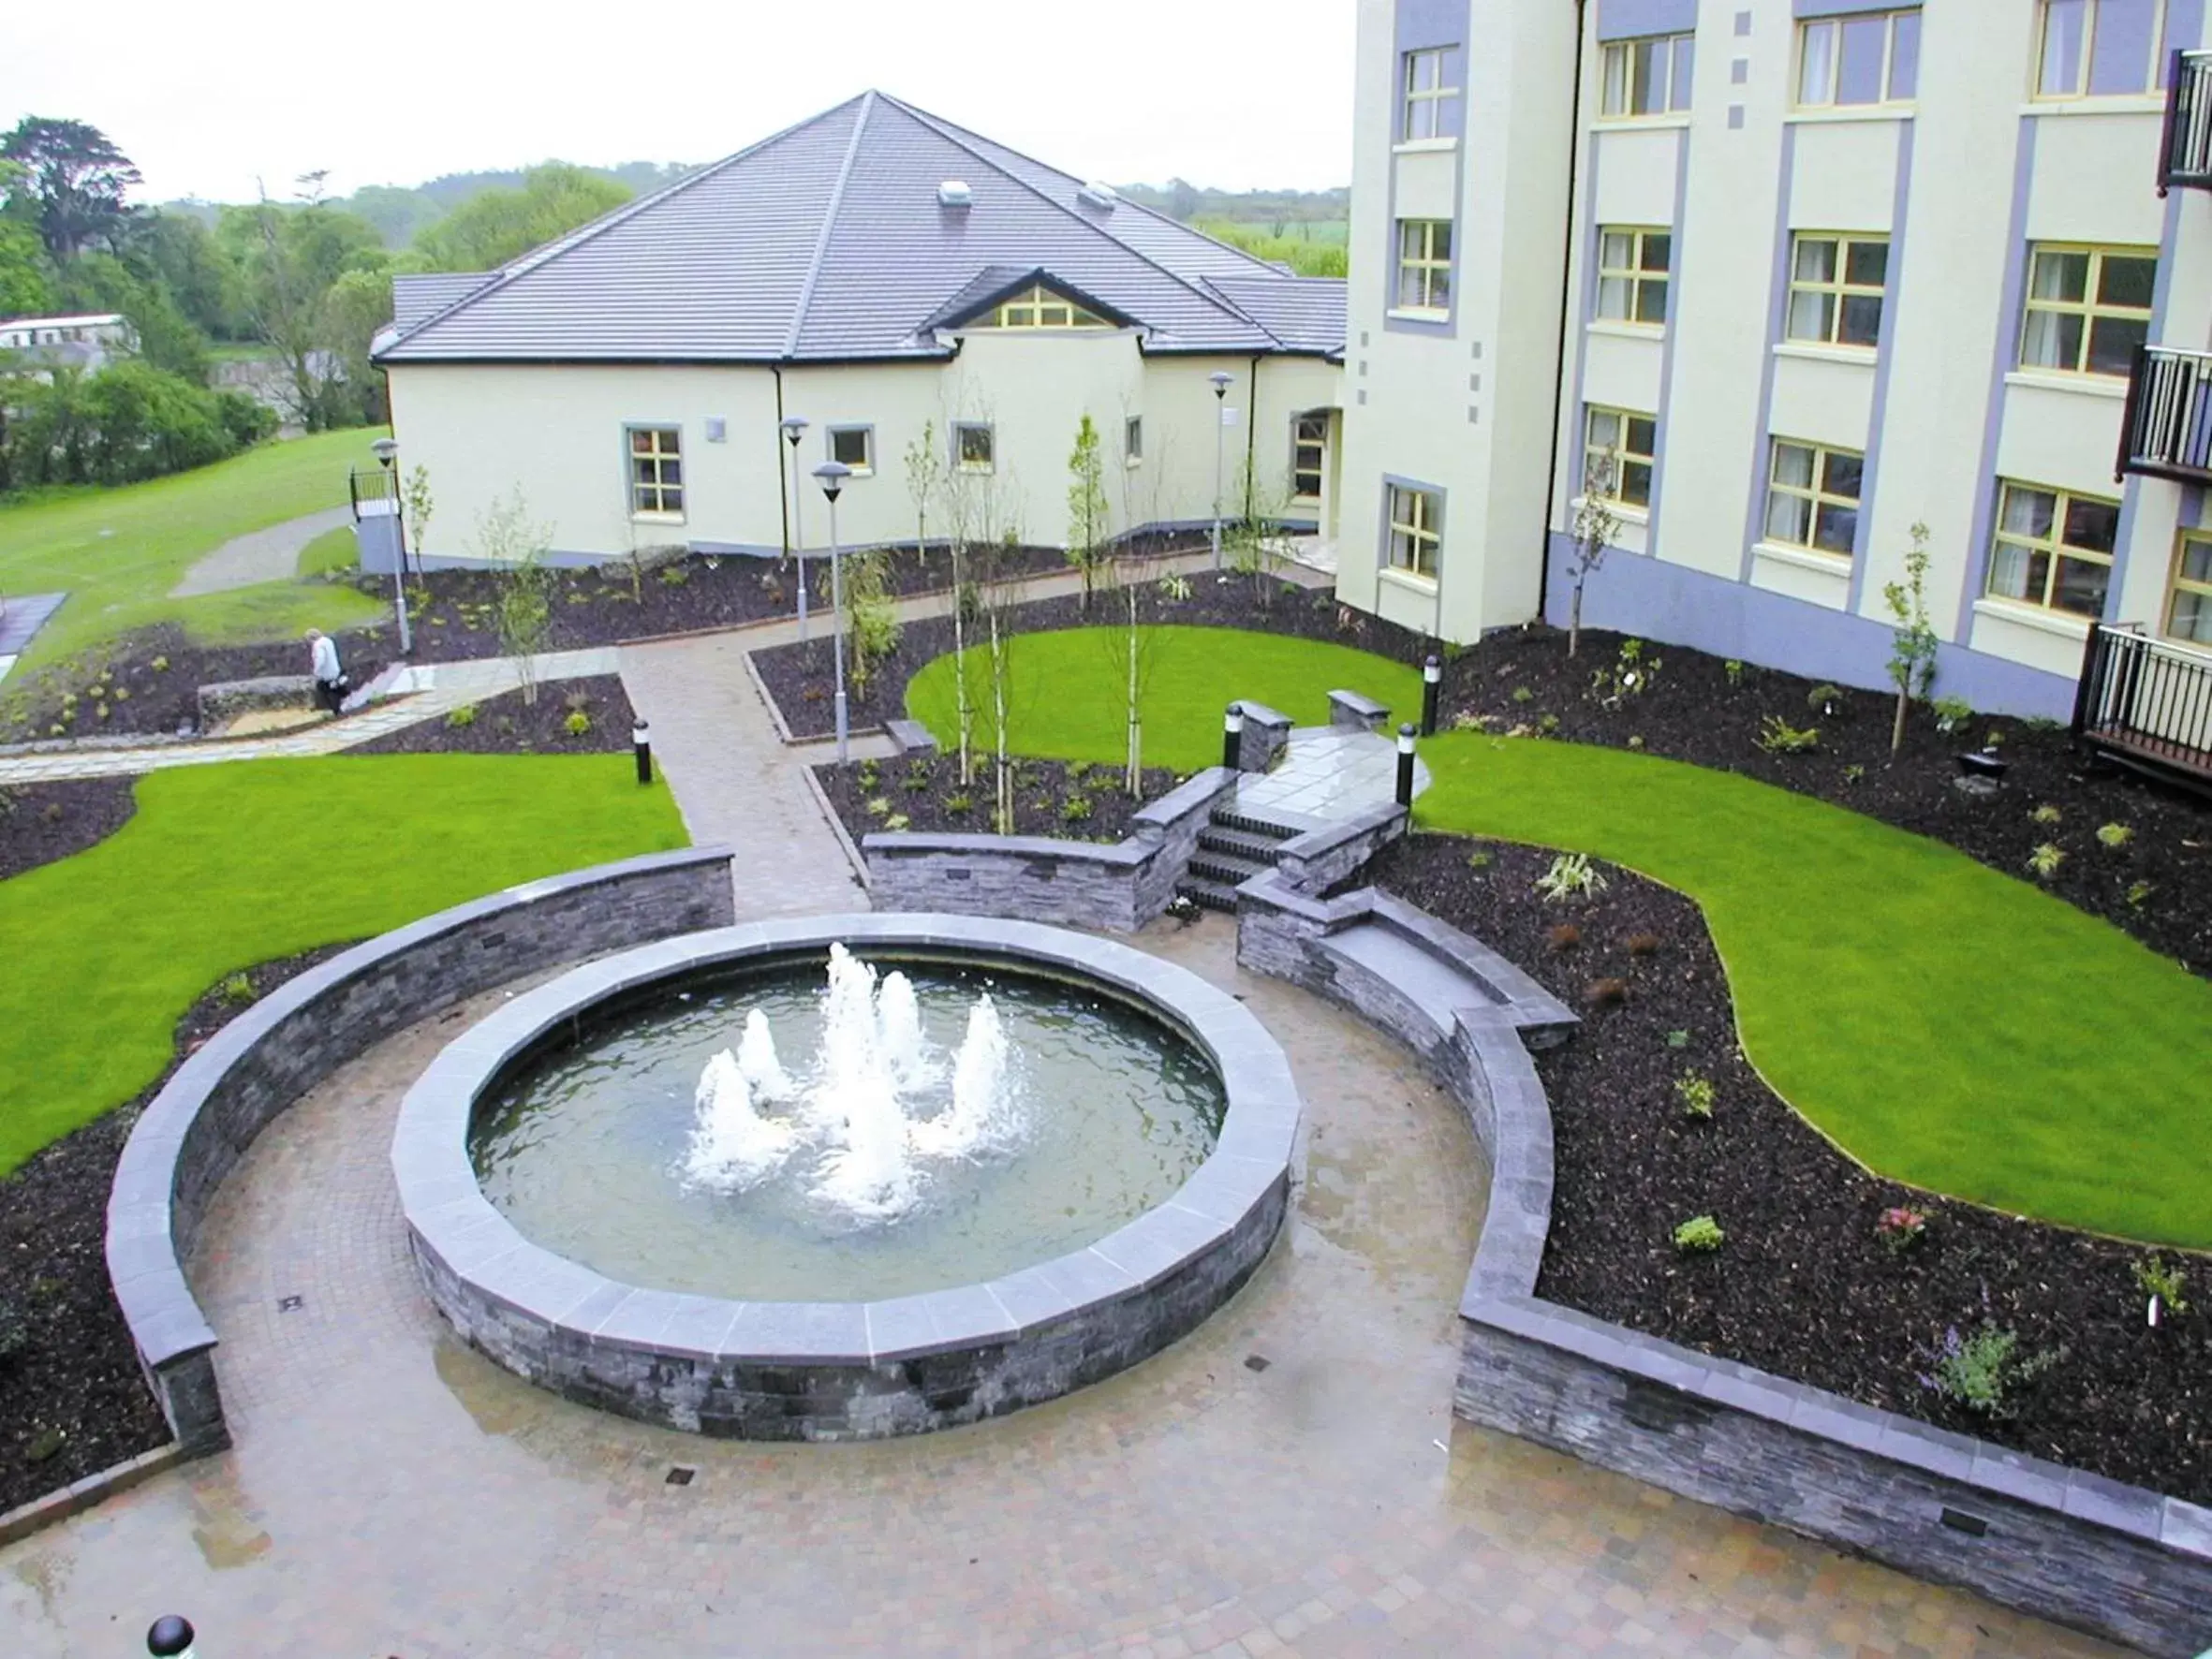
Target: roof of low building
(828, 242)
(85, 320)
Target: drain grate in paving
(680, 1476)
(1256, 1363)
(290, 1304)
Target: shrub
(876, 806)
(1077, 770)
(2045, 814)
(674, 576)
(1982, 1371)
(235, 987)
(1853, 775)
(868, 776)
(1570, 876)
(960, 805)
(2114, 836)
(577, 702)
(1075, 809)
(898, 821)
(914, 786)
(577, 724)
(2154, 1278)
(1642, 944)
(2046, 861)
(2138, 891)
(1695, 1091)
(1901, 1226)
(1953, 712)
(1566, 937)
(1629, 676)
(1824, 697)
(1480, 861)
(1678, 1039)
(1776, 736)
(1523, 695)
(1605, 994)
(159, 665)
(873, 618)
(463, 717)
(1699, 1235)
(1734, 670)
(1547, 725)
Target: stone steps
(1232, 849)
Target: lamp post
(795, 429)
(1220, 378)
(386, 450)
(833, 475)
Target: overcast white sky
(1240, 93)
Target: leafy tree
(129, 421)
(497, 226)
(1086, 505)
(179, 253)
(1912, 639)
(99, 282)
(291, 259)
(25, 289)
(74, 179)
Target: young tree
(515, 544)
(1596, 523)
(1912, 640)
(1252, 542)
(872, 617)
(1086, 505)
(416, 503)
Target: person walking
(331, 685)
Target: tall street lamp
(1221, 377)
(833, 475)
(386, 450)
(795, 429)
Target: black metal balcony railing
(2166, 429)
(2146, 704)
(371, 484)
(2185, 149)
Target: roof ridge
(1231, 302)
(821, 240)
(522, 264)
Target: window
(1038, 307)
(2081, 53)
(971, 446)
(1431, 103)
(1309, 449)
(2189, 605)
(1618, 451)
(1424, 264)
(855, 446)
(1870, 59)
(2053, 548)
(2088, 308)
(1632, 274)
(1416, 530)
(1812, 497)
(1836, 284)
(1132, 439)
(1647, 77)
(657, 471)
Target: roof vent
(1099, 196)
(954, 193)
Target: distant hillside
(1272, 212)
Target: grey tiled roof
(827, 241)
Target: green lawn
(118, 552)
(228, 865)
(332, 552)
(1067, 698)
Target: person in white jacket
(330, 678)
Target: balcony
(2166, 431)
(2185, 149)
(2146, 704)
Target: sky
(210, 98)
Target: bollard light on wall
(794, 429)
(1406, 764)
(642, 746)
(1232, 737)
(1432, 683)
(170, 1637)
(833, 475)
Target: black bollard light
(1432, 682)
(1232, 736)
(642, 746)
(1406, 764)
(170, 1637)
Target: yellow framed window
(2073, 61)
(1872, 58)
(974, 447)
(1429, 108)
(1132, 438)
(2053, 548)
(2188, 596)
(1646, 77)
(2088, 308)
(1812, 497)
(1309, 452)
(1835, 290)
(657, 471)
(1416, 530)
(1619, 449)
(1424, 264)
(1038, 307)
(855, 446)
(1633, 268)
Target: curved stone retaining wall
(201, 1124)
(847, 1371)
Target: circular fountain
(848, 1177)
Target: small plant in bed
(1901, 1228)
(1779, 737)
(461, 718)
(1985, 1373)
(1695, 1091)
(1701, 1235)
(1572, 875)
(2162, 1284)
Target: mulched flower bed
(504, 725)
(803, 677)
(926, 791)
(42, 823)
(2157, 885)
(1803, 1285)
(71, 1399)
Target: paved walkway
(258, 556)
(1326, 774)
(1288, 1480)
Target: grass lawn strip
(224, 866)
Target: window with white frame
(1632, 274)
(2189, 598)
(657, 471)
(1416, 531)
(1424, 265)
(1835, 290)
(1619, 449)
(2053, 548)
(1646, 77)
(1872, 58)
(1430, 106)
(972, 447)
(2088, 308)
(1038, 307)
(1309, 451)
(855, 446)
(2075, 59)
(1132, 439)
(1812, 497)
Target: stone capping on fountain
(824, 1370)
(195, 1129)
(1116, 887)
(2121, 1561)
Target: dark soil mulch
(803, 677)
(504, 725)
(71, 1399)
(147, 682)
(1803, 1286)
(41, 823)
(926, 791)
(2157, 885)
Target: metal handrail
(2185, 142)
(2145, 699)
(2166, 426)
